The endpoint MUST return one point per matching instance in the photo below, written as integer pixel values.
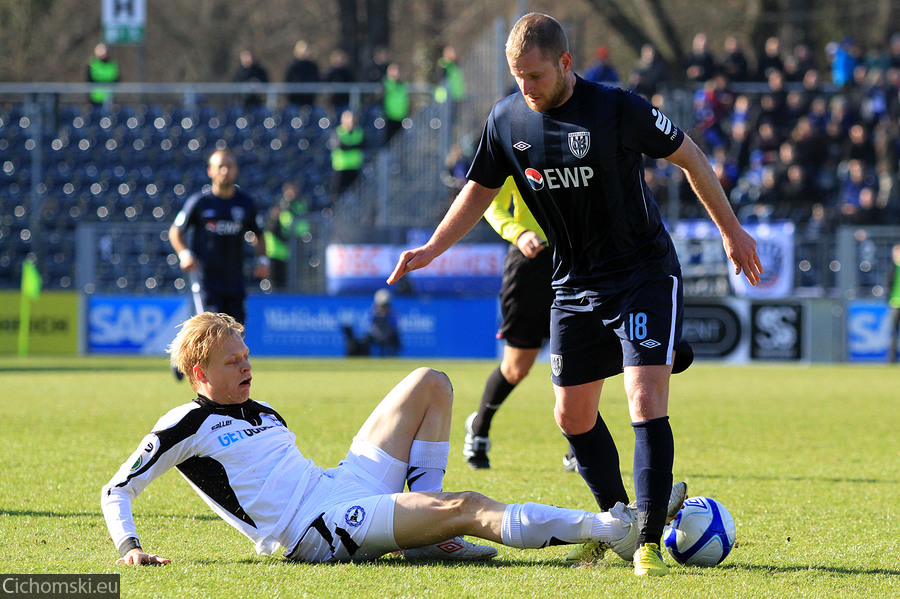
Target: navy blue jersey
(218, 227)
(580, 170)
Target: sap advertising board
(300, 325)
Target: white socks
(427, 465)
(536, 525)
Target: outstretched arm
(740, 247)
(465, 211)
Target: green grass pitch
(806, 458)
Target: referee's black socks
(496, 390)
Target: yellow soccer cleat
(648, 561)
(586, 552)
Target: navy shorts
(525, 299)
(595, 338)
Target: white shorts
(349, 516)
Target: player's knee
(572, 422)
(515, 373)
(435, 384)
(461, 505)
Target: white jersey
(241, 459)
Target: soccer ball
(702, 534)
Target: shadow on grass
(790, 569)
(143, 516)
(797, 479)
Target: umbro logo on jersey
(535, 179)
(521, 146)
(663, 123)
(651, 343)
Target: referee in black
(575, 150)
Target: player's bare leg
(424, 517)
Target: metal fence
(117, 174)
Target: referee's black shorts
(525, 299)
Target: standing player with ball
(575, 150)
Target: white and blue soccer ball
(702, 534)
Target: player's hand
(740, 247)
(409, 261)
(187, 261)
(137, 557)
(530, 244)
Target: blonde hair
(537, 30)
(197, 338)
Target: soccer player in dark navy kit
(575, 149)
(219, 219)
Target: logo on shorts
(580, 143)
(355, 516)
(556, 364)
(651, 343)
(535, 179)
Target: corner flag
(30, 291)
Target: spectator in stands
(347, 154)
(739, 145)
(798, 63)
(858, 146)
(843, 61)
(395, 101)
(384, 331)
(377, 68)
(769, 58)
(726, 170)
(650, 73)
(101, 69)
(809, 144)
(894, 51)
(382, 337)
(712, 103)
(339, 71)
(734, 64)
(302, 69)
(288, 220)
(250, 71)
(601, 71)
(456, 166)
(797, 193)
(219, 220)
(700, 64)
(451, 80)
(857, 194)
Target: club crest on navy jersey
(237, 213)
(580, 143)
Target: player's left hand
(740, 247)
(136, 557)
(529, 243)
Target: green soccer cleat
(648, 561)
